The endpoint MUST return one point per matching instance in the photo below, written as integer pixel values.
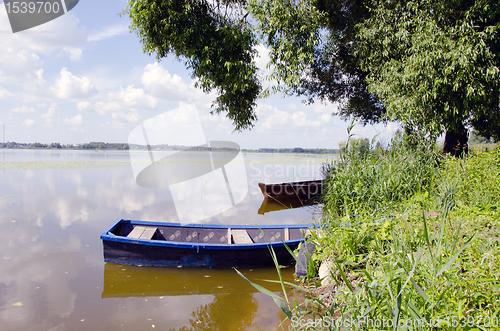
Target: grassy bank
(414, 240)
(411, 239)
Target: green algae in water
(58, 164)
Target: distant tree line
(102, 145)
(120, 146)
(359, 145)
(294, 150)
(92, 145)
(178, 148)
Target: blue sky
(83, 77)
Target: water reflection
(271, 204)
(73, 195)
(233, 302)
(121, 281)
(51, 262)
(35, 285)
(218, 315)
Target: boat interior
(208, 235)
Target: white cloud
(299, 119)
(74, 53)
(135, 97)
(35, 87)
(171, 87)
(214, 118)
(75, 120)
(263, 110)
(23, 109)
(4, 93)
(69, 86)
(17, 64)
(108, 32)
(325, 118)
(50, 115)
(20, 52)
(262, 59)
(28, 122)
(103, 107)
(277, 119)
(85, 106)
(65, 31)
(130, 98)
(201, 98)
(273, 118)
(162, 84)
(130, 117)
(39, 76)
(324, 107)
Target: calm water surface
(53, 207)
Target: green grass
(415, 242)
(374, 181)
(443, 269)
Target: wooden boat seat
(241, 236)
(148, 233)
(142, 232)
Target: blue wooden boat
(199, 245)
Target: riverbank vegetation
(414, 237)
(410, 240)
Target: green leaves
(448, 264)
(217, 43)
(292, 31)
(277, 299)
(430, 68)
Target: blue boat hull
(159, 251)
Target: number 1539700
(32, 7)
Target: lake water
(53, 207)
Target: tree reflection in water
(226, 312)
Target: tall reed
(374, 180)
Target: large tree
(311, 51)
(435, 65)
(432, 65)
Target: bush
(374, 181)
(477, 176)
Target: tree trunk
(455, 141)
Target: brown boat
(302, 190)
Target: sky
(83, 77)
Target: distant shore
(121, 146)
